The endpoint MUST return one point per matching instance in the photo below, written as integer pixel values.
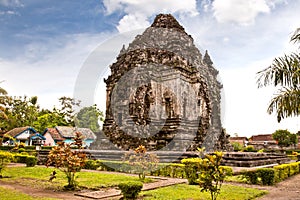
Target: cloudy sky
(46, 46)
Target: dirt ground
(285, 190)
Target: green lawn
(192, 192)
(38, 176)
(9, 194)
(90, 180)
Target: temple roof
(166, 21)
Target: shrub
(5, 158)
(191, 168)
(142, 161)
(130, 189)
(31, 161)
(67, 160)
(20, 158)
(91, 164)
(20, 150)
(267, 175)
(251, 176)
(211, 174)
(170, 170)
(237, 146)
(249, 148)
(228, 170)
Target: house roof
(54, 134)
(16, 131)
(37, 135)
(238, 138)
(87, 133)
(263, 137)
(69, 132)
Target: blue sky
(44, 45)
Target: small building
(241, 140)
(26, 135)
(52, 136)
(263, 141)
(67, 134)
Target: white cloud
(132, 22)
(241, 12)
(50, 70)
(11, 3)
(137, 12)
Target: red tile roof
(16, 131)
(54, 134)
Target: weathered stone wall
(161, 93)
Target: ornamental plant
(142, 161)
(130, 189)
(211, 174)
(5, 158)
(67, 160)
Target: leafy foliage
(207, 171)
(130, 189)
(285, 138)
(211, 174)
(68, 160)
(284, 72)
(89, 117)
(31, 161)
(142, 161)
(5, 158)
(19, 111)
(236, 146)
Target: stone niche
(162, 93)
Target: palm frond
(286, 103)
(284, 71)
(296, 36)
(2, 91)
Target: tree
(285, 138)
(19, 112)
(89, 117)
(2, 90)
(284, 72)
(211, 174)
(49, 120)
(67, 109)
(67, 160)
(142, 161)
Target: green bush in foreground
(130, 189)
(31, 161)
(207, 172)
(5, 158)
(269, 176)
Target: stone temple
(162, 93)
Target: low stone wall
(253, 159)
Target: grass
(37, 177)
(10, 194)
(29, 176)
(183, 191)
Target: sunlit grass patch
(192, 192)
(10, 194)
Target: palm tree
(2, 108)
(2, 91)
(284, 72)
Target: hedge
(269, 176)
(173, 170)
(130, 189)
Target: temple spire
(166, 21)
(207, 59)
